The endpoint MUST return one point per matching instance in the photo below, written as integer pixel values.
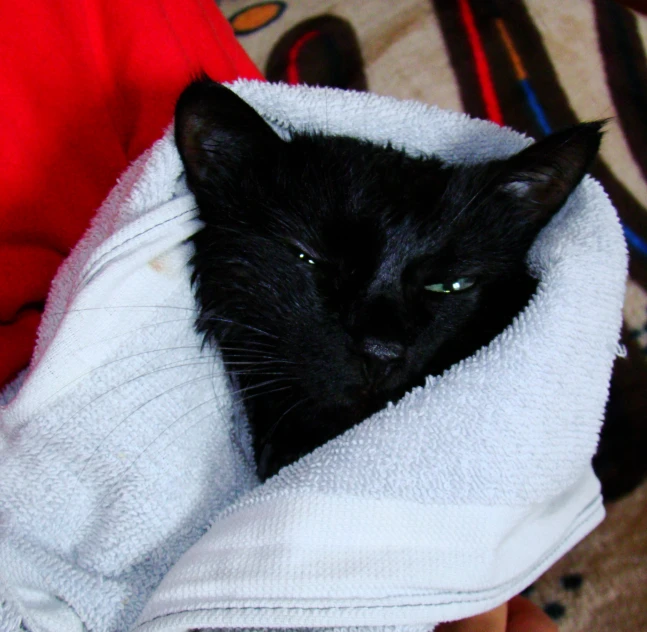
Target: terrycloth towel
(124, 454)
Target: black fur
(314, 266)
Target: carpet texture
(536, 66)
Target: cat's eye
(458, 285)
(301, 251)
(306, 258)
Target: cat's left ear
(543, 175)
(216, 132)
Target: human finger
(525, 616)
(491, 621)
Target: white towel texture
(128, 498)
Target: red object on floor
(86, 87)
(488, 92)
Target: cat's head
(336, 274)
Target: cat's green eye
(452, 286)
(306, 258)
(300, 251)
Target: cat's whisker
(275, 425)
(121, 359)
(137, 409)
(456, 216)
(133, 463)
(247, 342)
(127, 332)
(130, 332)
(250, 368)
(252, 354)
(271, 391)
(158, 351)
(252, 363)
(235, 323)
(182, 364)
(272, 362)
(258, 343)
(246, 389)
(263, 353)
(259, 374)
(130, 308)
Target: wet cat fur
(335, 274)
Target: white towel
(125, 463)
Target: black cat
(336, 274)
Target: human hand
(518, 615)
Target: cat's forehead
(349, 200)
(375, 241)
(344, 180)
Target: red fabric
(86, 87)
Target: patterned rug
(537, 66)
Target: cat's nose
(381, 357)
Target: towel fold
(126, 462)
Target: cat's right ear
(542, 176)
(215, 131)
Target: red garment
(86, 87)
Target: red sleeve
(86, 87)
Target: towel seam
(100, 261)
(584, 515)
